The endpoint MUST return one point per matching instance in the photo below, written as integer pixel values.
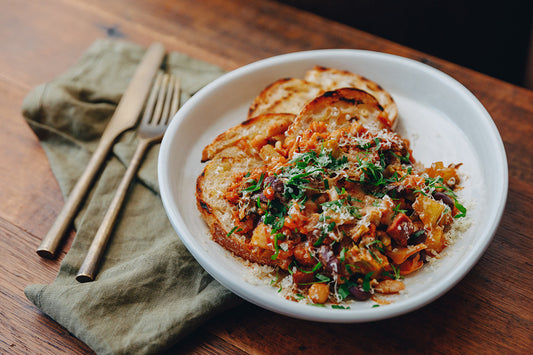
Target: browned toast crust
(286, 95)
(267, 125)
(332, 79)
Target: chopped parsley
(395, 275)
(372, 174)
(342, 255)
(344, 290)
(322, 278)
(338, 306)
(277, 238)
(403, 159)
(397, 210)
(366, 281)
(305, 168)
(309, 176)
(234, 229)
(255, 185)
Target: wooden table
(490, 311)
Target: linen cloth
(149, 292)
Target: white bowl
(443, 120)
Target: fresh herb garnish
(316, 267)
(395, 275)
(342, 255)
(234, 229)
(331, 226)
(349, 268)
(255, 185)
(372, 174)
(337, 306)
(377, 243)
(375, 257)
(459, 207)
(322, 278)
(320, 239)
(277, 238)
(403, 159)
(396, 209)
(366, 281)
(344, 289)
(275, 215)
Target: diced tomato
(269, 193)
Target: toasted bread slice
(287, 95)
(282, 112)
(256, 128)
(332, 79)
(211, 186)
(338, 109)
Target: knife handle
(51, 241)
(125, 117)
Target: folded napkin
(149, 292)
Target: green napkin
(149, 292)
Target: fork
(162, 103)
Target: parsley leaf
(255, 185)
(337, 306)
(234, 229)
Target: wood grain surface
(490, 311)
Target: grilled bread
(255, 129)
(332, 79)
(277, 117)
(339, 109)
(290, 95)
(287, 95)
(218, 213)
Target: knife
(125, 117)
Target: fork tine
(171, 104)
(158, 110)
(175, 99)
(168, 100)
(164, 100)
(151, 99)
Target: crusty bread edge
(220, 235)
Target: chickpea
(318, 293)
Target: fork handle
(96, 250)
